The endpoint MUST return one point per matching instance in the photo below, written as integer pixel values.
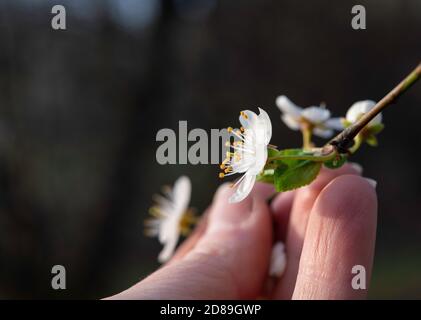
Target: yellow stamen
(155, 212)
(230, 154)
(221, 175)
(187, 221)
(244, 115)
(229, 129)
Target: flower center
(236, 153)
(188, 219)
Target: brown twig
(344, 139)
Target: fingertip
(348, 195)
(296, 218)
(223, 191)
(327, 174)
(225, 214)
(349, 201)
(340, 235)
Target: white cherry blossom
(361, 107)
(249, 151)
(316, 118)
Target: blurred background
(80, 109)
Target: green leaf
(272, 152)
(266, 176)
(337, 162)
(293, 174)
(296, 176)
(288, 152)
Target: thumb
(230, 261)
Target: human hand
(328, 227)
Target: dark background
(79, 111)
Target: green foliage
(289, 174)
(272, 152)
(297, 175)
(266, 176)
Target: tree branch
(343, 140)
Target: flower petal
(323, 132)
(288, 107)
(249, 120)
(291, 121)
(266, 124)
(169, 225)
(243, 189)
(168, 249)
(260, 157)
(181, 194)
(316, 114)
(334, 123)
(361, 107)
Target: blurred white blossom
(171, 217)
(278, 260)
(316, 118)
(359, 108)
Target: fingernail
(372, 182)
(225, 214)
(357, 167)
